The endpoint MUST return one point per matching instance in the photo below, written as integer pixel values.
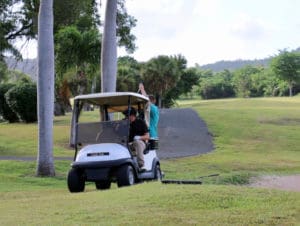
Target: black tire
(104, 184)
(125, 176)
(76, 181)
(157, 173)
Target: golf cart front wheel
(157, 173)
(125, 176)
(76, 181)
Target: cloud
(155, 6)
(206, 8)
(248, 28)
(157, 18)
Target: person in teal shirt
(154, 113)
(154, 118)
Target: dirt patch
(287, 183)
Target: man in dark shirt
(138, 135)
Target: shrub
(23, 101)
(5, 110)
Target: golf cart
(102, 153)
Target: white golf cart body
(102, 152)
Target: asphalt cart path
(182, 133)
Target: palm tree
(45, 163)
(109, 48)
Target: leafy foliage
(242, 80)
(125, 23)
(82, 14)
(188, 78)
(3, 72)
(128, 74)
(22, 99)
(9, 28)
(217, 86)
(287, 66)
(5, 110)
(163, 76)
(77, 62)
(77, 49)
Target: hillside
(27, 66)
(233, 65)
(236, 64)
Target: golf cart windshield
(107, 129)
(103, 132)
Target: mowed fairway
(252, 137)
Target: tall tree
(242, 80)
(109, 48)
(161, 74)
(80, 51)
(45, 163)
(128, 74)
(287, 66)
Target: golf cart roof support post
(128, 113)
(77, 110)
(129, 106)
(106, 112)
(102, 113)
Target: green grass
(20, 139)
(251, 136)
(20, 176)
(152, 204)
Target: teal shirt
(154, 117)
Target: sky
(207, 31)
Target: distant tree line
(280, 78)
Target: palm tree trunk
(109, 48)
(45, 163)
(291, 89)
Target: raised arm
(142, 89)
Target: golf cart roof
(113, 98)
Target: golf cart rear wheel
(76, 181)
(125, 176)
(157, 173)
(105, 184)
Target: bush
(22, 99)
(5, 110)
